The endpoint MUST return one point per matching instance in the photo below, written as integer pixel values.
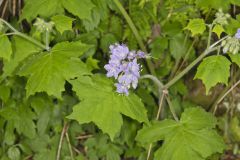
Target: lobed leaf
(103, 106)
(193, 136)
(213, 70)
(48, 71)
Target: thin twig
(76, 150)
(64, 130)
(14, 7)
(69, 146)
(4, 8)
(172, 109)
(221, 98)
(84, 137)
(149, 151)
(157, 117)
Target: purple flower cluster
(237, 35)
(123, 66)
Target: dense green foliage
(57, 103)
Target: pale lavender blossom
(122, 88)
(237, 35)
(141, 54)
(112, 70)
(120, 51)
(132, 55)
(133, 68)
(123, 66)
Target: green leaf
(92, 23)
(48, 71)
(5, 47)
(82, 9)
(193, 136)
(140, 17)
(105, 106)
(235, 2)
(177, 48)
(21, 50)
(213, 70)
(62, 23)
(196, 26)
(158, 46)
(5, 93)
(14, 153)
(9, 136)
(44, 8)
(218, 29)
(106, 41)
(233, 25)
(215, 4)
(92, 63)
(235, 58)
(22, 118)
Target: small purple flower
(120, 51)
(114, 60)
(112, 71)
(122, 88)
(127, 79)
(237, 35)
(132, 55)
(141, 54)
(134, 68)
(123, 66)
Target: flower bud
(43, 26)
(235, 51)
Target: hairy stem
(16, 32)
(136, 34)
(188, 68)
(154, 79)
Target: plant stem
(224, 95)
(69, 146)
(136, 34)
(172, 109)
(149, 151)
(31, 40)
(162, 94)
(157, 117)
(160, 105)
(154, 79)
(206, 52)
(47, 40)
(64, 130)
(181, 74)
(187, 54)
(16, 32)
(210, 35)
